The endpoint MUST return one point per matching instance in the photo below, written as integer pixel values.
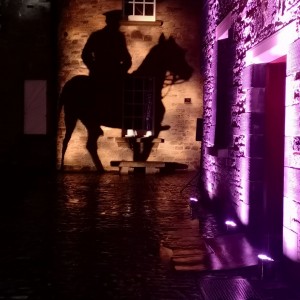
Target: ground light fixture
(264, 258)
(230, 224)
(193, 199)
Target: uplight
(264, 257)
(193, 199)
(230, 223)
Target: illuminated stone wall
(234, 175)
(181, 20)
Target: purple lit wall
(292, 166)
(254, 175)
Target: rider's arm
(87, 54)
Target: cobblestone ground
(83, 236)
(89, 236)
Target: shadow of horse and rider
(102, 97)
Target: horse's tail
(63, 95)
(60, 101)
(69, 90)
(68, 101)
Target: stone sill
(138, 164)
(139, 140)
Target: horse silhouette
(95, 105)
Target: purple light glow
(230, 223)
(243, 212)
(290, 244)
(264, 257)
(193, 199)
(273, 47)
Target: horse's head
(173, 59)
(166, 56)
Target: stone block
(293, 58)
(292, 90)
(291, 211)
(251, 169)
(251, 191)
(254, 145)
(254, 76)
(255, 100)
(292, 120)
(252, 123)
(291, 183)
(292, 152)
(290, 244)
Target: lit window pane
(139, 10)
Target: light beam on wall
(273, 47)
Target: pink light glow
(193, 199)
(273, 47)
(290, 244)
(223, 27)
(264, 257)
(230, 223)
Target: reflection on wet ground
(89, 236)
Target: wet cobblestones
(85, 236)
(77, 236)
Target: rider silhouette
(105, 53)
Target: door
(274, 153)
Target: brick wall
(181, 20)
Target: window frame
(139, 17)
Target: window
(35, 107)
(140, 10)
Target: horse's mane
(154, 61)
(149, 65)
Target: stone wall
(234, 175)
(180, 19)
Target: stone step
(197, 267)
(150, 167)
(142, 164)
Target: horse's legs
(70, 123)
(91, 146)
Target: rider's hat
(113, 15)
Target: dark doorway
(274, 153)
